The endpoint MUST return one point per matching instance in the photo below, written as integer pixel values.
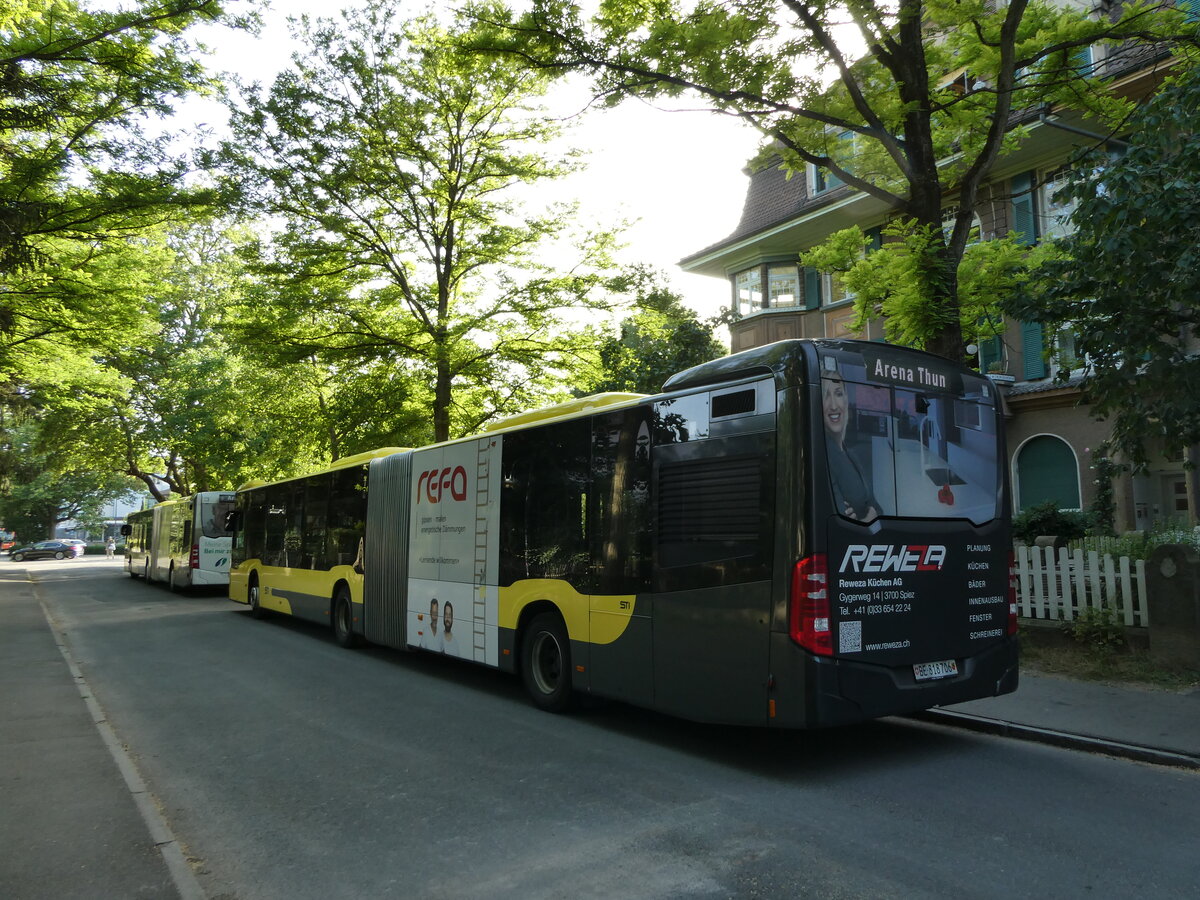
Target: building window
(748, 288)
(783, 286)
(822, 180)
(833, 291)
(1054, 209)
(948, 216)
(1047, 470)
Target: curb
(1082, 742)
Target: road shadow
(785, 755)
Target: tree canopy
(911, 103)
(659, 338)
(1123, 291)
(390, 156)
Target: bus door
(714, 483)
(619, 602)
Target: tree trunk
(441, 402)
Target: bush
(1047, 519)
(1098, 628)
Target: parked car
(47, 550)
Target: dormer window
(822, 180)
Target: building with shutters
(1051, 437)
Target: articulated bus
(805, 534)
(184, 543)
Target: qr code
(850, 637)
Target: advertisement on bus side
(454, 511)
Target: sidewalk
(70, 826)
(1124, 714)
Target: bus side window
(621, 492)
(316, 508)
(544, 504)
(347, 515)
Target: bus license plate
(946, 668)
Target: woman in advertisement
(851, 488)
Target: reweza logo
(436, 482)
(893, 558)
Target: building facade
(1052, 439)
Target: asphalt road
(287, 767)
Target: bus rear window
(898, 448)
(212, 516)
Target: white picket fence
(1058, 584)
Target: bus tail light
(194, 558)
(809, 625)
(1012, 593)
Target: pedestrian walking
(110, 547)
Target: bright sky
(679, 173)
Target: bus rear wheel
(343, 619)
(546, 663)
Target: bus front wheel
(546, 663)
(256, 611)
(343, 619)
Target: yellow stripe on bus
(597, 619)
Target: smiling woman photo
(851, 489)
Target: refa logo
(893, 558)
(435, 483)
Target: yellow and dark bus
(805, 534)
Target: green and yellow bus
(805, 534)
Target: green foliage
(889, 282)
(1046, 519)
(1127, 281)
(391, 157)
(1099, 628)
(916, 121)
(1140, 544)
(660, 338)
(1103, 508)
(39, 495)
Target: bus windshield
(908, 440)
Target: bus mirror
(126, 530)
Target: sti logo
(433, 484)
(893, 558)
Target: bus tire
(546, 663)
(256, 610)
(343, 619)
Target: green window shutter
(1081, 61)
(812, 288)
(1032, 344)
(991, 352)
(875, 235)
(1024, 222)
